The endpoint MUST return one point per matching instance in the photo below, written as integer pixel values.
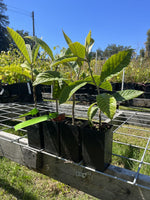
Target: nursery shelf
(115, 183)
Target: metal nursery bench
(115, 183)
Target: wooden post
(33, 25)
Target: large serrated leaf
(106, 85)
(48, 77)
(77, 49)
(92, 110)
(115, 64)
(125, 95)
(35, 52)
(63, 60)
(69, 90)
(20, 43)
(56, 90)
(90, 79)
(107, 104)
(68, 40)
(43, 45)
(28, 47)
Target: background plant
(29, 54)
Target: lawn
(19, 182)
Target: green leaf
(88, 43)
(35, 120)
(88, 39)
(35, 52)
(125, 95)
(63, 60)
(68, 52)
(91, 45)
(69, 90)
(20, 43)
(53, 115)
(30, 122)
(90, 80)
(26, 65)
(77, 49)
(48, 77)
(107, 104)
(43, 45)
(115, 64)
(56, 89)
(32, 112)
(106, 85)
(28, 47)
(92, 110)
(68, 40)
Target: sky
(120, 22)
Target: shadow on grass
(131, 152)
(15, 192)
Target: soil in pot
(70, 139)
(97, 146)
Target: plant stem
(93, 78)
(34, 97)
(100, 120)
(34, 92)
(73, 107)
(57, 105)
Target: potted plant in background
(97, 137)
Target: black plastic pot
(97, 148)
(35, 135)
(70, 140)
(51, 137)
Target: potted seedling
(70, 137)
(97, 137)
(66, 134)
(33, 117)
(51, 126)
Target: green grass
(18, 182)
(130, 151)
(11, 130)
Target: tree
(147, 43)
(142, 53)
(112, 49)
(100, 54)
(4, 41)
